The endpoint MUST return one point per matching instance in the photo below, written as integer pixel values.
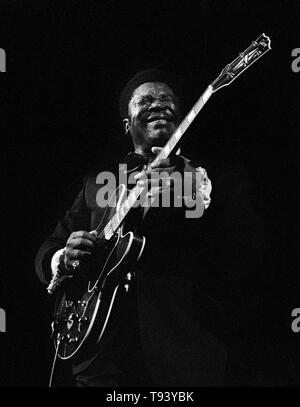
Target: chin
(161, 135)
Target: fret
(191, 116)
(167, 149)
(206, 95)
(178, 134)
(172, 143)
(199, 104)
(203, 99)
(184, 125)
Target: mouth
(156, 117)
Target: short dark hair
(147, 75)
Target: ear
(126, 125)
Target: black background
(66, 64)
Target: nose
(157, 105)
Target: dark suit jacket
(181, 286)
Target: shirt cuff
(55, 261)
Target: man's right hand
(79, 245)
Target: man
(169, 333)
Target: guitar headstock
(246, 58)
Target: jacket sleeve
(76, 218)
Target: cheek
(137, 127)
(136, 121)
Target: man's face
(152, 115)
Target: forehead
(152, 88)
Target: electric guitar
(86, 299)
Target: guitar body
(86, 301)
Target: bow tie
(134, 160)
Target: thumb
(156, 150)
(94, 233)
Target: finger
(141, 175)
(77, 254)
(93, 233)
(174, 161)
(156, 150)
(161, 163)
(80, 242)
(83, 234)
